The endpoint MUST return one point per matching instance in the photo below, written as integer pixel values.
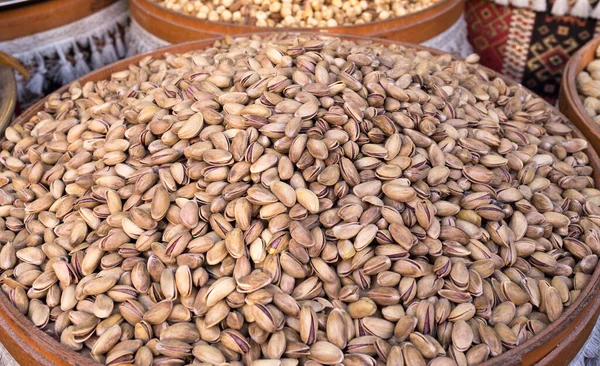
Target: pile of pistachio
(296, 200)
(297, 13)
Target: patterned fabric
(553, 41)
(521, 29)
(589, 354)
(57, 56)
(488, 26)
(527, 46)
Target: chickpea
(213, 16)
(226, 15)
(275, 7)
(286, 12)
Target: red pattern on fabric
(488, 26)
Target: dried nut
(208, 354)
(362, 308)
(290, 199)
(107, 340)
(462, 336)
(326, 353)
(308, 325)
(235, 341)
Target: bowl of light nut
(414, 21)
(580, 90)
(296, 199)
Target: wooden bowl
(175, 27)
(41, 16)
(569, 102)
(555, 346)
(8, 96)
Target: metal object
(8, 96)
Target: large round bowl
(554, 346)
(418, 27)
(569, 102)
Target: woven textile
(527, 46)
(488, 27)
(6, 358)
(553, 41)
(589, 355)
(58, 56)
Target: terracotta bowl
(44, 15)
(569, 102)
(176, 27)
(555, 346)
(8, 96)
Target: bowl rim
(569, 85)
(18, 325)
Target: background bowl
(177, 27)
(569, 102)
(554, 346)
(44, 15)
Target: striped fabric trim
(578, 8)
(519, 37)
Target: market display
(274, 201)
(294, 13)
